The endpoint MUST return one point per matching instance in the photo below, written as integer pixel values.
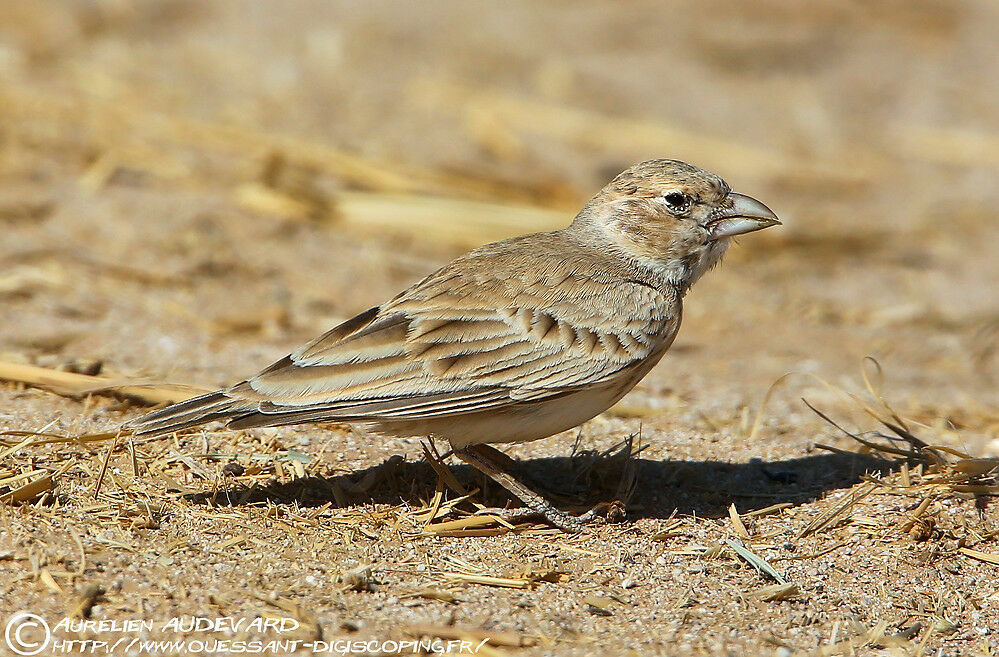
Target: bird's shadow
(661, 488)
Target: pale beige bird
(517, 340)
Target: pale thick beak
(745, 215)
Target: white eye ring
(678, 201)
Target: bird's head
(673, 216)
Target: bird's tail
(199, 410)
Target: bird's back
(501, 331)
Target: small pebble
(233, 469)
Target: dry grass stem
(70, 384)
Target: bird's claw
(610, 512)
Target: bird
(514, 341)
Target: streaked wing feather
(458, 344)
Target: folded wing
(449, 345)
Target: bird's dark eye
(677, 201)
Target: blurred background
(188, 189)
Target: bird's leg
(487, 460)
(482, 458)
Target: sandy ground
(174, 187)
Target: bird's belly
(519, 423)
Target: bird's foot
(610, 512)
(490, 462)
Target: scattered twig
(70, 384)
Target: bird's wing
(457, 343)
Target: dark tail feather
(190, 413)
(252, 419)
